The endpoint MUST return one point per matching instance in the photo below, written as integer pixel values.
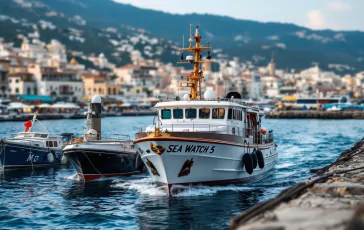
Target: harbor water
(54, 198)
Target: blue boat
(32, 149)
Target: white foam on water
(73, 177)
(284, 165)
(208, 190)
(146, 186)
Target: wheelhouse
(225, 117)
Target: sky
(315, 14)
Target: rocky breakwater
(332, 199)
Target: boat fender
(139, 163)
(50, 157)
(248, 163)
(125, 159)
(260, 157)
(255, 159)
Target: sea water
(54, 197)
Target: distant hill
(293, 46)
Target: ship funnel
(96, 115)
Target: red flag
(27, 125)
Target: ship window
(178, 113)
(230, 114)
(47, 143)
(218, 113)
(204, 113)
(191, 113)
(50, 144)
(55, 144)
(166, 114)
(44, 135)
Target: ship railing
(104, 137)
(221, 129)
(258, 136)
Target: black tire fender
(260, 158)
(248, 163)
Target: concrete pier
(332, 199)
(353, 114)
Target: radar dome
(186, 97)
(209, 95)
(96, 99)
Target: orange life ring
(78, 140)
(263, 131)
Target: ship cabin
(38, 139)
(224, 117)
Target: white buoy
(91, 134)
(209, 95)
(50, 157)
(186, 97)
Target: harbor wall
(313, 114)
(331, 199)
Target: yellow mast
(194, 80)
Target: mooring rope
(93, 165)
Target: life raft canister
(255, 160)
(248, 163)
(263, 131)
(260, 157)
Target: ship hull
(16, 155)
(189, 162)
(92, 164)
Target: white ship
(201, 139)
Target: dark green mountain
(293, 46)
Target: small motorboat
(31, 149)
(95, 158)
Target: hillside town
(41, 69)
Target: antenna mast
(194, 80)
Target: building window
(218, 113)
(99, 90)
(108, 91)
(191, 113)
(204, 113)
(17, 81)
(178, 113)
(89, 89)
(94, 90)
(28, 90)
(114, 91)
(166, 114)
(9, 80)
(16, 90)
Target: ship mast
(194, 80)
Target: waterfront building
(145, 76)
(4, 82)
(60, 84)
(98, 84)
(22, 83)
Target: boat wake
(146, 186)
(73, 177)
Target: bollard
(96, 116)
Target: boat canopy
(65, 106)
